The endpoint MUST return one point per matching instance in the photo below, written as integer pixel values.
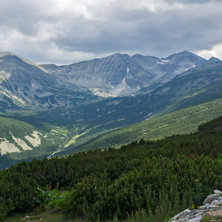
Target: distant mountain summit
(3, 54)
(124, 75)
(214, 59)
(185, 55)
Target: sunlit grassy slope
(20, 140)
(180, 122)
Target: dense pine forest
(141, 181)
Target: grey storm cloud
(68, 31)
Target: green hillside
(142, 181)
(180, 122)
(65, 133)
(23, 139)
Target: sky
(68, 31)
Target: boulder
(211, 198)
(218, 192)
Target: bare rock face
(25, 84)
(212, 209)
(210, 198)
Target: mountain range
(57, 109)
(122, 75)
(25, 84)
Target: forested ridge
(147, 179)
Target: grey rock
(212, 208)
(215, 201)
(219, 203)
(196, 219)
(218, 192)
(211, 198)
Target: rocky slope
(122, 75)
(25, 84)
(211, 210)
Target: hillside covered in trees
(146, 179)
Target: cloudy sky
(66, 31)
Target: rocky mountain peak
(187, 56)
(119, 55)
(214, 59)
(3, 54)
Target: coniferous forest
(141, 181)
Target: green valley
(55, 104)
(21, 140)
(179, 122)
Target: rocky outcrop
(212, 209)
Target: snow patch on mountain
(163, 61)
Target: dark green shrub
(3, 210)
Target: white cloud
(215, 51)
